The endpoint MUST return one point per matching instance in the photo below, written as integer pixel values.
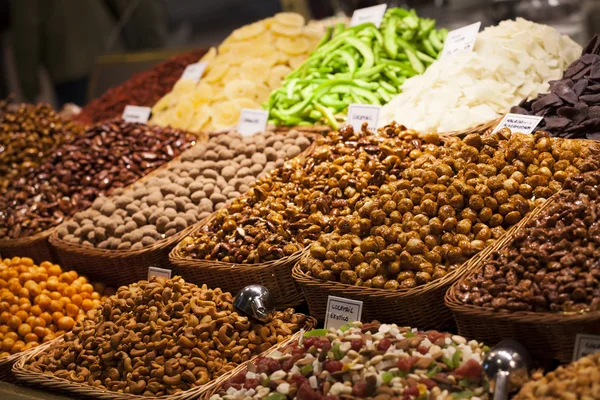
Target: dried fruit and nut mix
(161, 337)
(552, 264)
(105, 157)
(365, 361)
(206, 177)
(572, 107)
(39, 303)
(578, 380)
(250, 63)
(143, 89)
(28, 135)
(402, 210)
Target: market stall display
(38, 304)
(162, 337)
(373, 360)
(142, 89)
(572, 107)
(28, 135)
(250, 63)
(544, 280)
(362, 64)
(138, 227)
(105, 157)
(510, 61)
(578, 380)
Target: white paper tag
(136, 114)
(372, 14)
(252, 121)
(154, 271)
(359, 113)
(585, 345)
(519, 123)
(194, 71)
(340, 311)
(461, 39)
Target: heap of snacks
(28, 135)
(39, 303)
(362, 64)
(161, 338)
(572, 107)
(402, 211)
(578, 380)
(510, 61)
(365, 361)
(143, 89)
(250, 63)
(205, 178)
(552, 264)
(105, 157)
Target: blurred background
(61, 51)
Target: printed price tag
(340, 311)
(461, 39)
(519, 123)
(372, 14)
(359, 113)
(194, 71)
(154, 271)
(136, 114)
(585, 345)
(252, 121)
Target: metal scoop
(507, 366)
(255, 301)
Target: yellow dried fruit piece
(292, 46)
(289, 19)
(248, 31)
(239, 88)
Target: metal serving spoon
(507, 363)
(255, 301)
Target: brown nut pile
(578, 380)
(207, 177)
(552, 264)
(290, 208)
(28, 135)
(105, 157)
(161, 337)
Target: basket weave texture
(35, 247)
(481, 129)
(547, 336)
(6, 364)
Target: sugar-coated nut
(172, 231)
(292, 151)
(256, 169)
(139, 218)
(170, 213)
(217, 198)
(130, 226)
(108, 208)
(233, 194)
(154, 198)
(124, 246)
(136, 246)
(210, 173)
(147, 241)
(244, 171)
(209, 189)
(246, 162)
(228, 172)
(259, 158)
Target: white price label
(372, 14)
(341, 311)
(252, 121)
(136, 114)
(194, 71)
(154, 271)
(585, 345)
(461, 39)
(359, 113)
(519, 123)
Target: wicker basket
(53, 383)
(421, 307)
(481, 129)
(548, 336)
(6, 364)
(35, 247)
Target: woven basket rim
(25, 375)
(484, 126)
(25, 240)
(545, 317)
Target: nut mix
(552, 264)
(28, 135)
(143, 89)
(578, 380)
(366, 361)
(401, 210)
(160, 338)
(106, 157)
(39, 303)
(206, 177)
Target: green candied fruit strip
(316, 332)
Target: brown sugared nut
(160, 338)
(387, 203)
(551, 265)
(580, 380)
